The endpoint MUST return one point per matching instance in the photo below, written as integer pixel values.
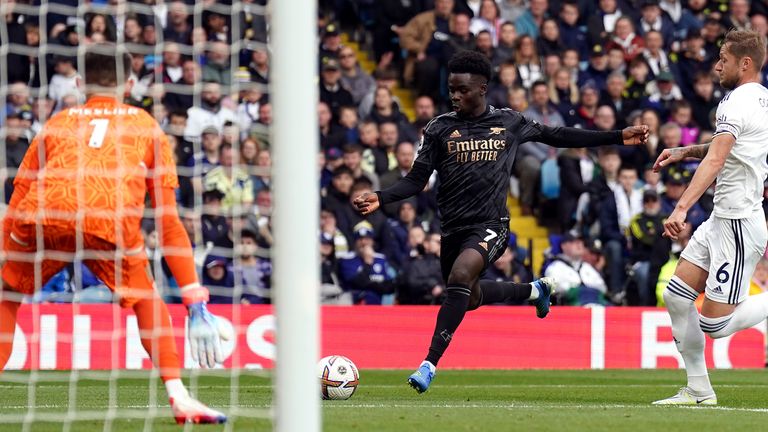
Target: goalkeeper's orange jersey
(90, 168)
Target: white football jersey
(743, 113)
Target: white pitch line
(385, 386)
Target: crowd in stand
(595, 64)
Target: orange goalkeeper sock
(8, 311)
(157, 336)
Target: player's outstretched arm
(205, 331)
(674, 155)
(705, 174)
(568, 137)
(406, 187)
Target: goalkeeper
(80, 192)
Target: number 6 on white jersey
(99, 132)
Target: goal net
(202, 70)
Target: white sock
(175, 388)
(689, 337)
(432, 367)
(534, 292)
(748, 313)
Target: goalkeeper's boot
(421, 379)
(686, 396)
(187, 409)
(545, 286)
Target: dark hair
(343, 169)
(352, 148)
(471, 62)
(224, 146)
(538, 83)
(361, 183)
(101, 65)
(625, 167)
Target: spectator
(682, 115)
(713, 33)
(616, 61)
(216, 28)
(576, 171)
(349, 123)
(649, 250)
(683, 19)
(404, 154)
(385, 109)
(365, 273)
(461, 38)
(389, 136)
(384, 78)
(532, 154)
(652, 180)
(605, 118)
(211, 112)
(421, 281)
(254, 271)
(759, 282)
(663, 92)
(564, 93)
(331, 91)
(219, 279)
(374, 157)
(572, 34)
(231, 180)
(217, 67)
(584, 115)
(517, 99)
(330, 290)
(339, 190)
(259, 66)
(18, 99)
(511, 10)
(487, 20)
(262, 172)
(624, 37)
(390, 17)
(654, 54)
(331, 134)
(99, 24)
(578, 283)
(260, 128)
(653, 20)
(353, 159)
(209, 157)
(178, 28)
(705, 101)
(529, 23)
(597, 71)
(614, 98)
(637, 82)
(424, 37)
(550, 43)
(691, 62)
(629, 200)
(602, 24)
(675, 183)
(330, 230)
(353, 78)
(505, 50)
(424, 109)
(484, 44)
(505, 80)
(16, 145)
(183, 98)
(738, 15)
(248, 108)
(407, 233)
(527, 60)
(330, 44)
(65, 81)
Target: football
(338, 377)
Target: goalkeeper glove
(205, 334)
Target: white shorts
(729, 250)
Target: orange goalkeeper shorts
(27, 268)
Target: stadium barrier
(104, 336)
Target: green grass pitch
(615, 400)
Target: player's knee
(716, 328)
(461, 276)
